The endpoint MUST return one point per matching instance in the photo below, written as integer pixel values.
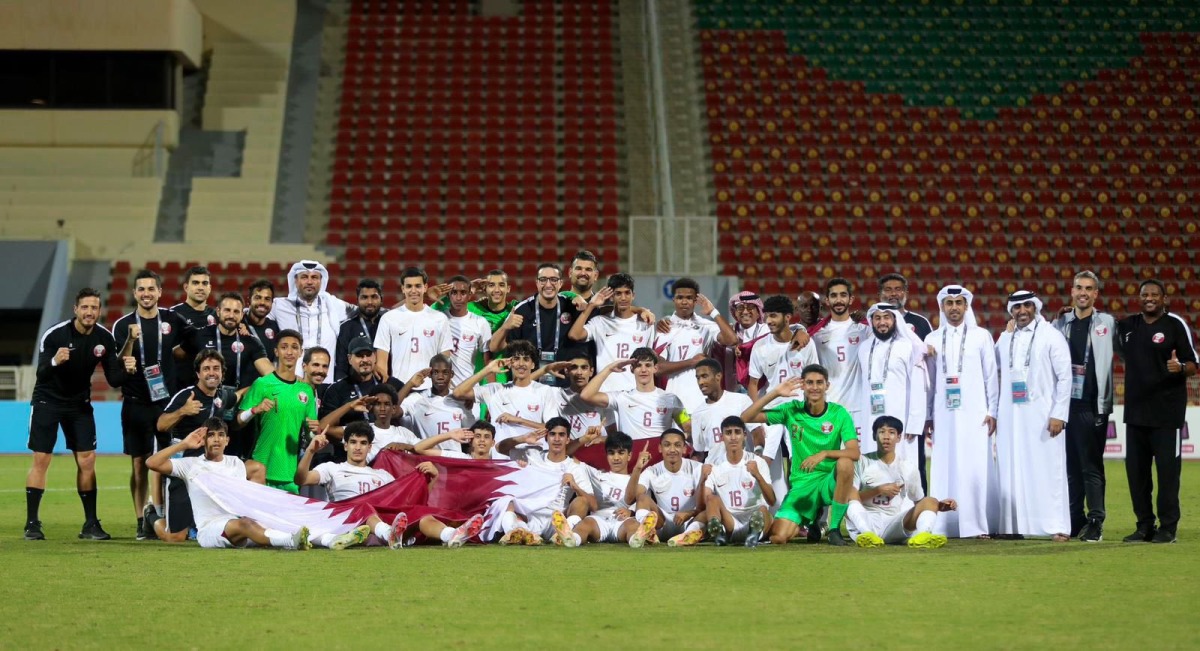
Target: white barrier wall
(1115, 448)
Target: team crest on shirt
(1101, 331)
(164, 328)
(212, 320)
(98, 351)
(687, 492)
(270, 333)
(535, 408)
(564, 319)
(797, 363)
(302, 397)
(747, 484)
(468, 338)
(1158, 338)
(456, 416)
(237, 347)
(661, 410)
(827, 427)
(217, 402)
(854, 340)
(428, 333)
(637, 339)
(696, 341)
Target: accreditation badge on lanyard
(156, 383)
(953, 393)
(1020, 388)
(877, 398)
(1079, 372)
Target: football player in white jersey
(387, 436)
(612, 521)
(410, 334)
(582, 415)
(436, 411)
(469, 332)
(519, 406)
(541, 522)
(616, 335)
(684, 339)
(737, 493)
(838, 337)
(348, 479)
(671, 490)
(705, 418)
(479, 439)
(888, 505)
(644, 412)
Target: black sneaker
(1093, 531)
(835, 538)
(1141, 535)
(716, 531)
(93, 531)
(814, 533)
(149, 517)
(1163, 536)
(33, 530)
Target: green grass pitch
(67, 593)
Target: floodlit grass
(67, 593)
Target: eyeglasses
(548, 280)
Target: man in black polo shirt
(543, 319)
(1159, 358)
(258, 325)
(197, 285)
(67, 356)
(245, 360)
(363, 324)
(150, 334)
(343, 398)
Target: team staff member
(245, 360)
(342, 401)
(544, 319)
(197, 284)
(893, 289)
(258, 325)
(1159, 358)
(1091, 336)
(150, 335)
(364, 324)
(67, 356)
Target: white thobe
(1032, 464)
(962, 450)
(904, 392)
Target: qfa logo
(827, 427)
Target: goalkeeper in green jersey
(285, 406)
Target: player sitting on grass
(825, 475)
(671, 489)
(534, 525)
(216, 527)
(737, 494)
(612, 521)
(889, 506)
(348, 479)
(480, 438)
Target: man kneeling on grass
(889, 505)
(217, 528)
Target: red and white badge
(212, 320)
(1101, 331)
(217, 402)
(302, 397)
(428, 333)
(564, 319)
(1158, 338)
(688, 492)
(98, 351)
(827, 427)
(748, 484)
(165, 328)
(534, 408)
(270, 333)
(854, 340)
(237, 347)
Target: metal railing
(150, 159)
(673, 245)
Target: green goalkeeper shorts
(807, 497)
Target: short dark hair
(440, 359)
(368, 283)
(644, 354)
(618, 441)
(685, 283)
(522, 348)
(459, 279)
(358, 428)
(385, 390)
(733, 421)
(206, 355)
(619, 280)
(712, 364)
(87, 292)
(496, 272)
(308, 354)
(815, 368)
(231, 296)
(886, 421)
(215, 425)
(261, 283)
(195, 271)
(485, 426)
(143, 274)
(414, 272)
(672, 430)
(288, 332)
(549, 265)
(558, 421)
(779, 304)
(834, 282)
(584, 254)
(887, 278)
(1153, 281)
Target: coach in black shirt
(67, 356)
(1159, 358)
(364, 323)
(245, 359)
(197, 285)
(337, 407)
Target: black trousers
(921, 465)
(1161, 447)
(1086, 436)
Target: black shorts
(139, 429)
(78, 426)
(178, 506)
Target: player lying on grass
(533, 524)
(612, 521)
(737, 494)
(671, 489)
(481, 438)
(352, 478)
(888, 505)
(217, 528)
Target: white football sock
(279, 539)
(578, 540)
(641, 515)
(573, 521)
(925, 521)
(856, 516)
(324, 540)
(447, 534)
(383, 530)
(694, 526)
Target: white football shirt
(673, 491)
(738, 489)
(204, 509)
(412, 339)
(617, 339)
(385, 437)
(609, 489)
(538, 458)
(582, 415)
(343, 481)
(837, 349)
(707, 417)
(469, 336)
(645, 414)
(429, 415)
(536, 402)
(871, 472)
(686, 338)
(773, 363)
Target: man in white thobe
(964, 397)
(1035, 399)
(310, 310)
(893, 379)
